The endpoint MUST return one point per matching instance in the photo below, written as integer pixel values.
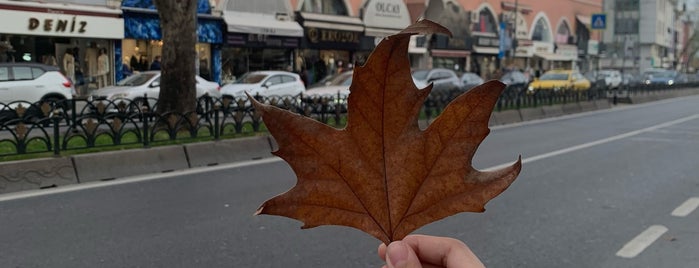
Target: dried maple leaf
(382, 174)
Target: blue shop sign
(203, 6)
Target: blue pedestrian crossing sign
(598, 21)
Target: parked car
(442, 79)
(332, 86)
(612, 78)
(33, 82)
(265, 84)
(514, 79)
(470, 80)
(630, 80)
(666, 77)
(560, 79)
(135, 86)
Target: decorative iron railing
(87, 124)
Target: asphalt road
(601, 189)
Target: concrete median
(227, 151)
(117, 164)
(36, 174)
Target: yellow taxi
(560, 79)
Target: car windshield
(420, 74)
(251, 78)
(554, 76)
(136, 79)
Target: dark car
(667, 77)
(630, 80)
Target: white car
(148, 83)
(33, 82)
(265, 84)
(443, 80)
(612, 78)
(333, 86)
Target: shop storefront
(514, 16)
(486, 37)
(332, 39)
(259, 36)
(81, 40)
(383, 18)
(451, 53)
(143, 40)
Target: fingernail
(397, 254)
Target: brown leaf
(382, 174)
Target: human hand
(416, 251)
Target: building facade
(641, 34)
(143, 39)
(69, 35)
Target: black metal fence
(86, 124)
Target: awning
(486, 50)
(264, 24)
(444, 53)
(335, 22)
(555, 57)
(380, 32)
(385, 17)
(584, 20)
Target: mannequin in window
(102, 68)
(69, 65)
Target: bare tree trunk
(178, 23)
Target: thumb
(400, 255)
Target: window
(486, 22)
(288, 79)
(562, 33)
(274, 80)
(541, 31)
(4, 74)
(333, 7)
(22, 73)
(36, 72)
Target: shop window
(541, 31)
(486, 22)
(22, 73)
(333, 7)
(562, 33)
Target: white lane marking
(598, 142)
(686, 208)
(641, 242)
(138, 178)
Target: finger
(382, 251)
(442, 251)
(400, 255)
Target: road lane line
(686, 208)
(598, 142)
(641, 242)
(139, 178)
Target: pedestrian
(155, 66)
